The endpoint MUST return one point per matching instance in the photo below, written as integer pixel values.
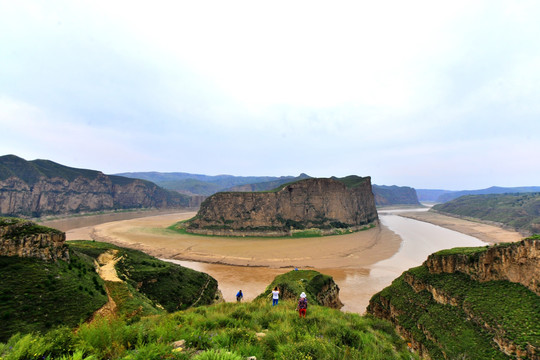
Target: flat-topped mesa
(329, 205)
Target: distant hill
(197, 184)
(469, 303)
(394, 195)
(42, 187)
(442, 196)
(517, 211)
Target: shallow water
(357, 286)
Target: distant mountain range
(42, 187)
(197, 184)
(442, 196)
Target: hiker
(302, 305)
(239, 296)
(275, 296)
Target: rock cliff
(325, 204)
(41, 187)
(394, 195)
(475, 303)
(26, 239)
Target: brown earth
(151, 235)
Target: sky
(427, 94)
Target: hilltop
(517, 211)
(442, 196)
(469, 303)
(42, 187)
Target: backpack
(302, 304)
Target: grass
(19, 228)
(172, 286)
(223, 331)
(292, 283)
(36, 296)
(484, 310)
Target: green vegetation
(172, 286)
(36, 296)
(24, 228)
(352, 181)
(464, 330)
(224, 331)
(292, 283)
(519, 211)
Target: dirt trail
(106, 265)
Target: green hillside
(518, 211)
(449, 315)
(36, 296)
(227, 331)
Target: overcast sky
(428, 94)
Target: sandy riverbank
(488, 233)
(150, 234)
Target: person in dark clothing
(239, 296)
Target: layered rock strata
(26, 239)
(325, 204)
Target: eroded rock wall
(60, 196)
(26, 239)
(310, 203)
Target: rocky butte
(329, 205)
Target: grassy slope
(520, 211)
(494, 304)
(170, 285)
(36, 295)
(324, 334)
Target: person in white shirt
(275, 296)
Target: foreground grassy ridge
(520, 211)
(170, 285)
(483, 311)
(230, 327)
(36, 295)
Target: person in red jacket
(302, 305)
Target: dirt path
(106, 265)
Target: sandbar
(150, 234)
(490, 234)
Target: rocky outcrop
(469, 303)
(42, 187)
(27, 239)
(515, 262)
(325, 204)
(320, 289)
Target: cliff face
(26, 239)
(518, 263)
(36, 189)
(473, 302)
(311, 203)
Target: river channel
(357, 286)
